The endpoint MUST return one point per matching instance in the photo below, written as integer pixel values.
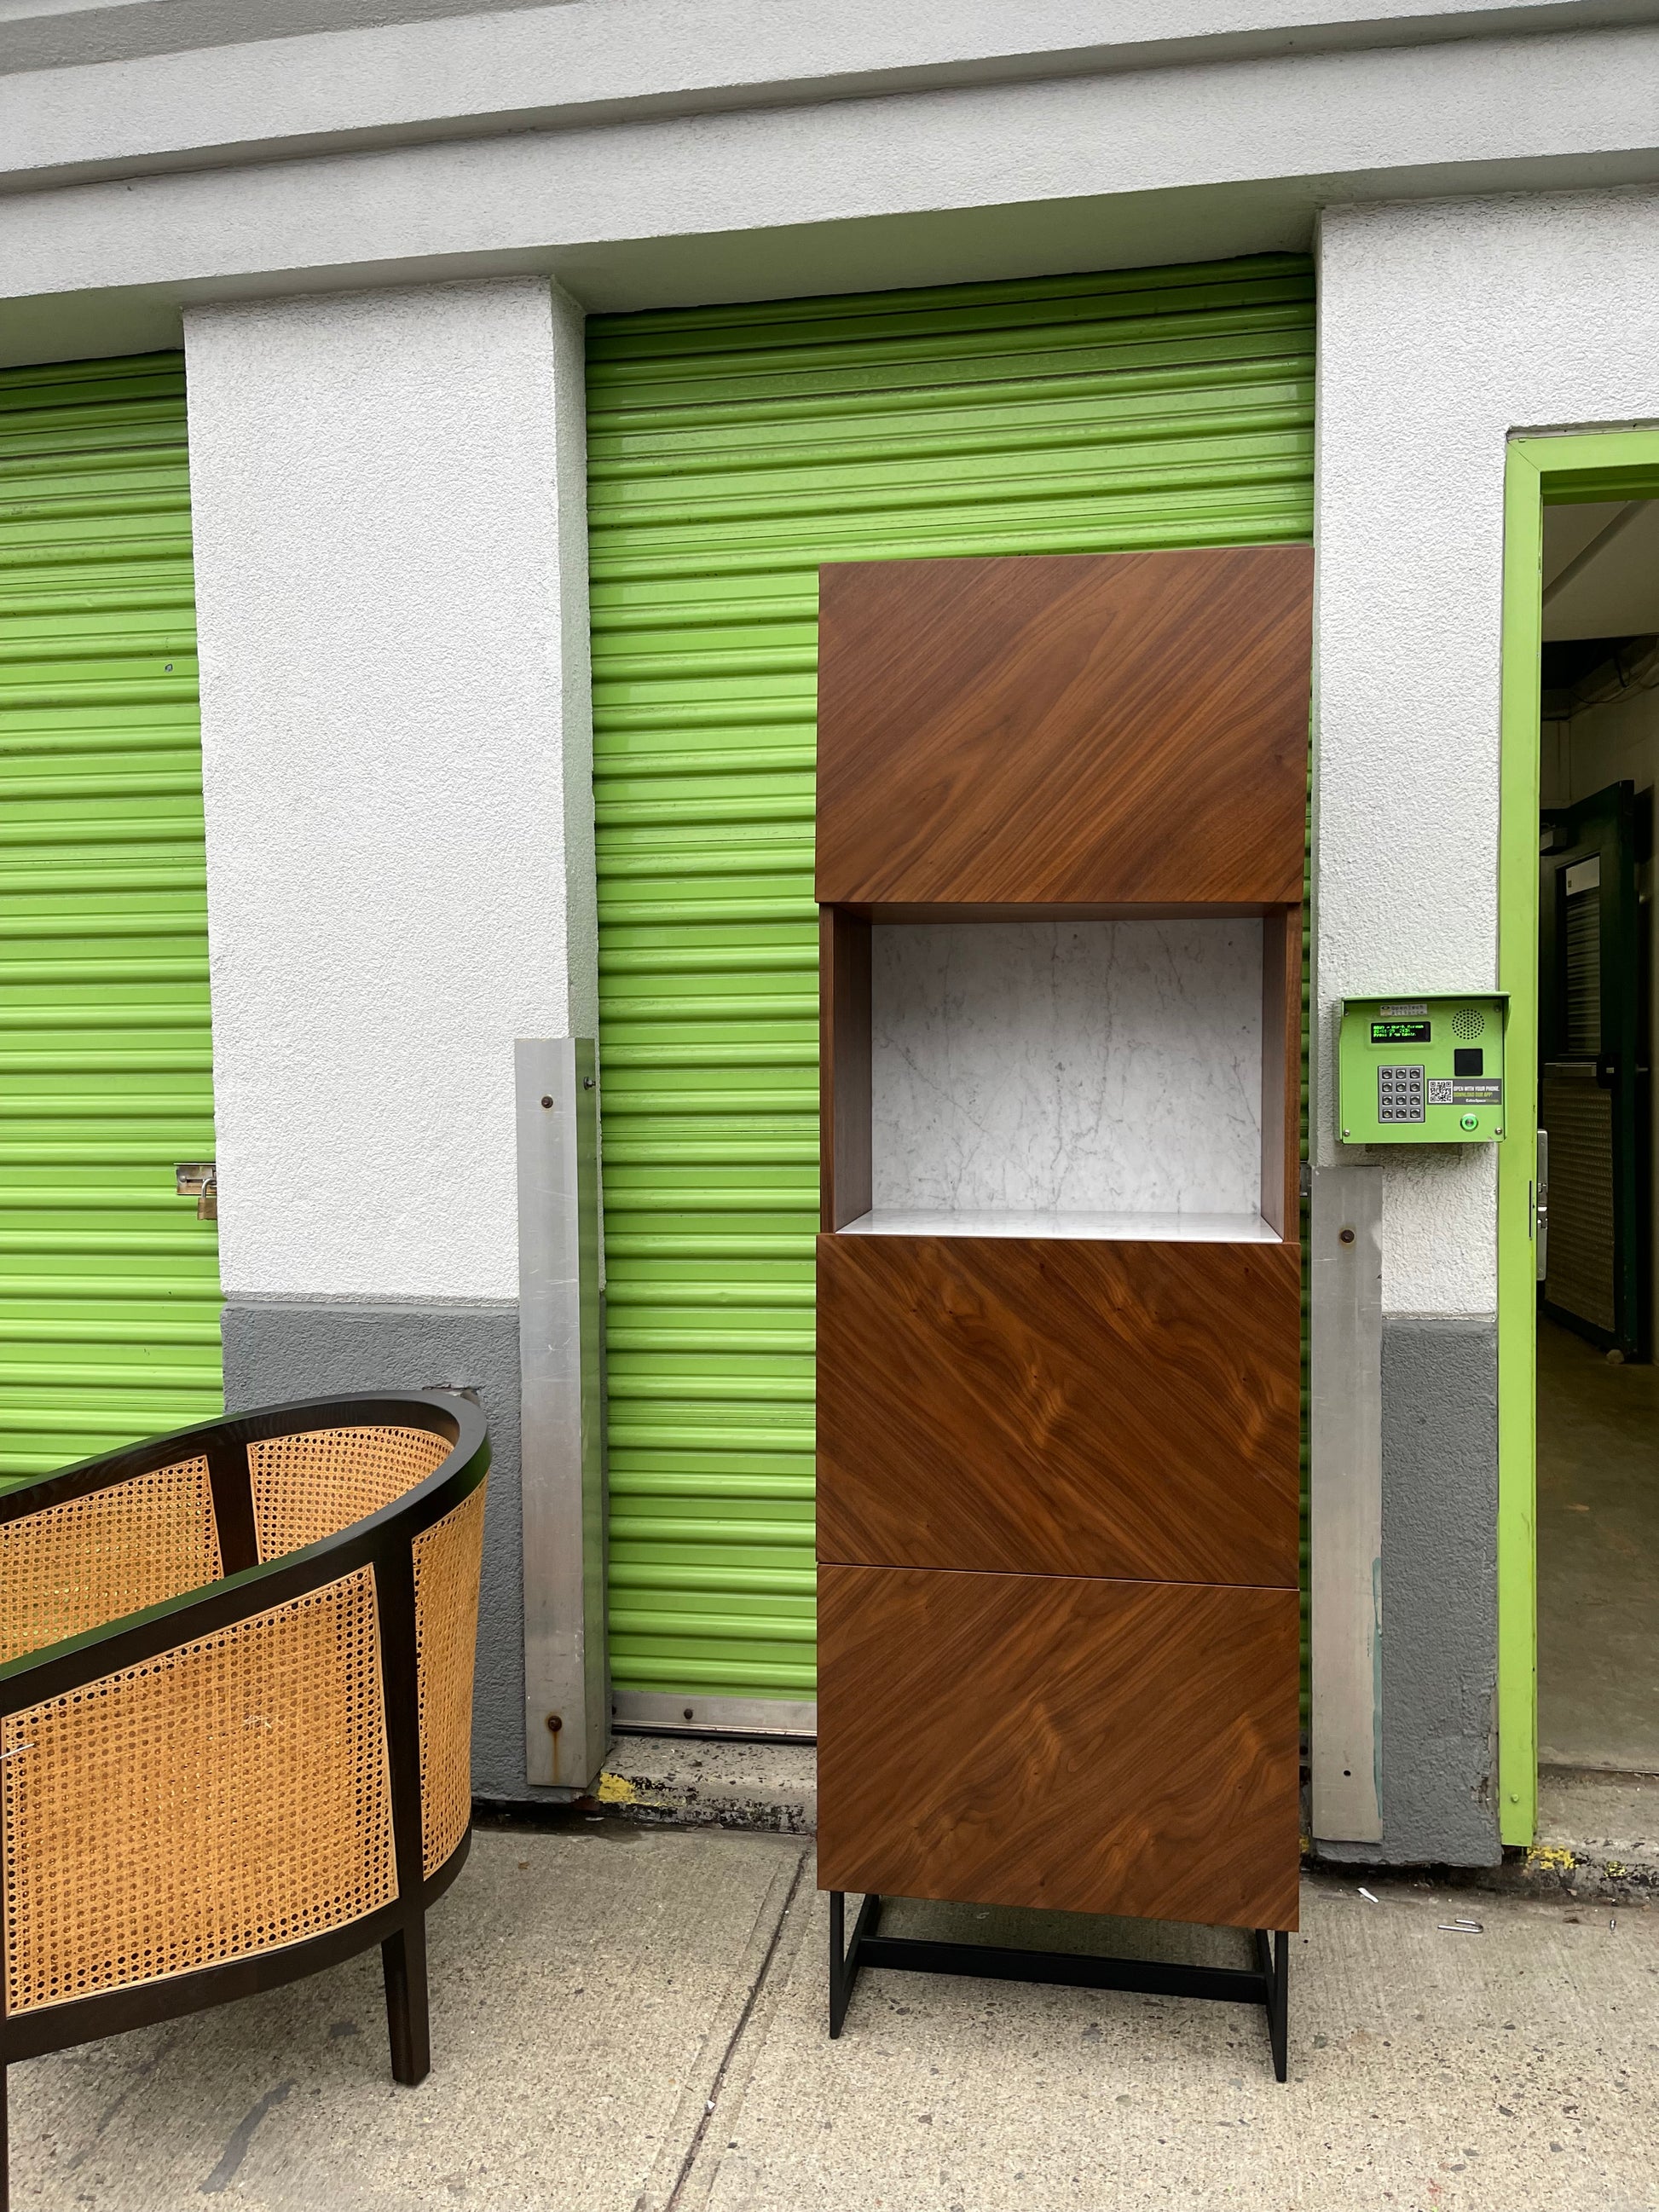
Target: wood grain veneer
(1128, 727)
(1281, 1070)
(1065, 1406)
(845, 1160)
(1097, 1746)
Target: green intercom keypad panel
(1421, 1071)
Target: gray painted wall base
(279, 1348)
(1439, 1524)
(1440, 1596)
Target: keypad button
(1399, 1094)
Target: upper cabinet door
(1113, 728)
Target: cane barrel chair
(235, 1714)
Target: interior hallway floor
(1598, 1558)
(632, 2019)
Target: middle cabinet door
(1060, 1407)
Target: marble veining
(1105, 1068)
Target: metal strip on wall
(1344, 1270)
(562, 1435)
(109, 1283)
(731, 450)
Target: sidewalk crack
(711, 2101)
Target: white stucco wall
(634, 204)
(1442, 328)
(234, 78)
(389, 519)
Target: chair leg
(403, 1957)
(5, 2145)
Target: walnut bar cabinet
(1060, 843)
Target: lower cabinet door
(1062, 1741)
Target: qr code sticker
(1440, 1090)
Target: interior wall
(1090, 1066)
(1554, 769)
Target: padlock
(199, 1179)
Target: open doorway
(1598, 1389)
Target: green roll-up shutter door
(733, 450)
(109, 1285)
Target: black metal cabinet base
(1267, 1985)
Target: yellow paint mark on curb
(615, 1789)
(1551, 1858)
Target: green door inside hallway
(1592, 1086)
(109, 1283)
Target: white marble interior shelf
(1088, 1070)
(1128, 1228)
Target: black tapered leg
(839, 1983)
(5, 2146)
(844, 1956)
(1273, 1958)
(403, 1957)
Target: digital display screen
(1400, 1033)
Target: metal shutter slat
(109, 1285)
(731, 450)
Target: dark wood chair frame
(383, 1540)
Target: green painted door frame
(1601, 465)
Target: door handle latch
(1541, 1207)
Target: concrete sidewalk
(631, 2020)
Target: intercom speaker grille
(1468, 1022)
